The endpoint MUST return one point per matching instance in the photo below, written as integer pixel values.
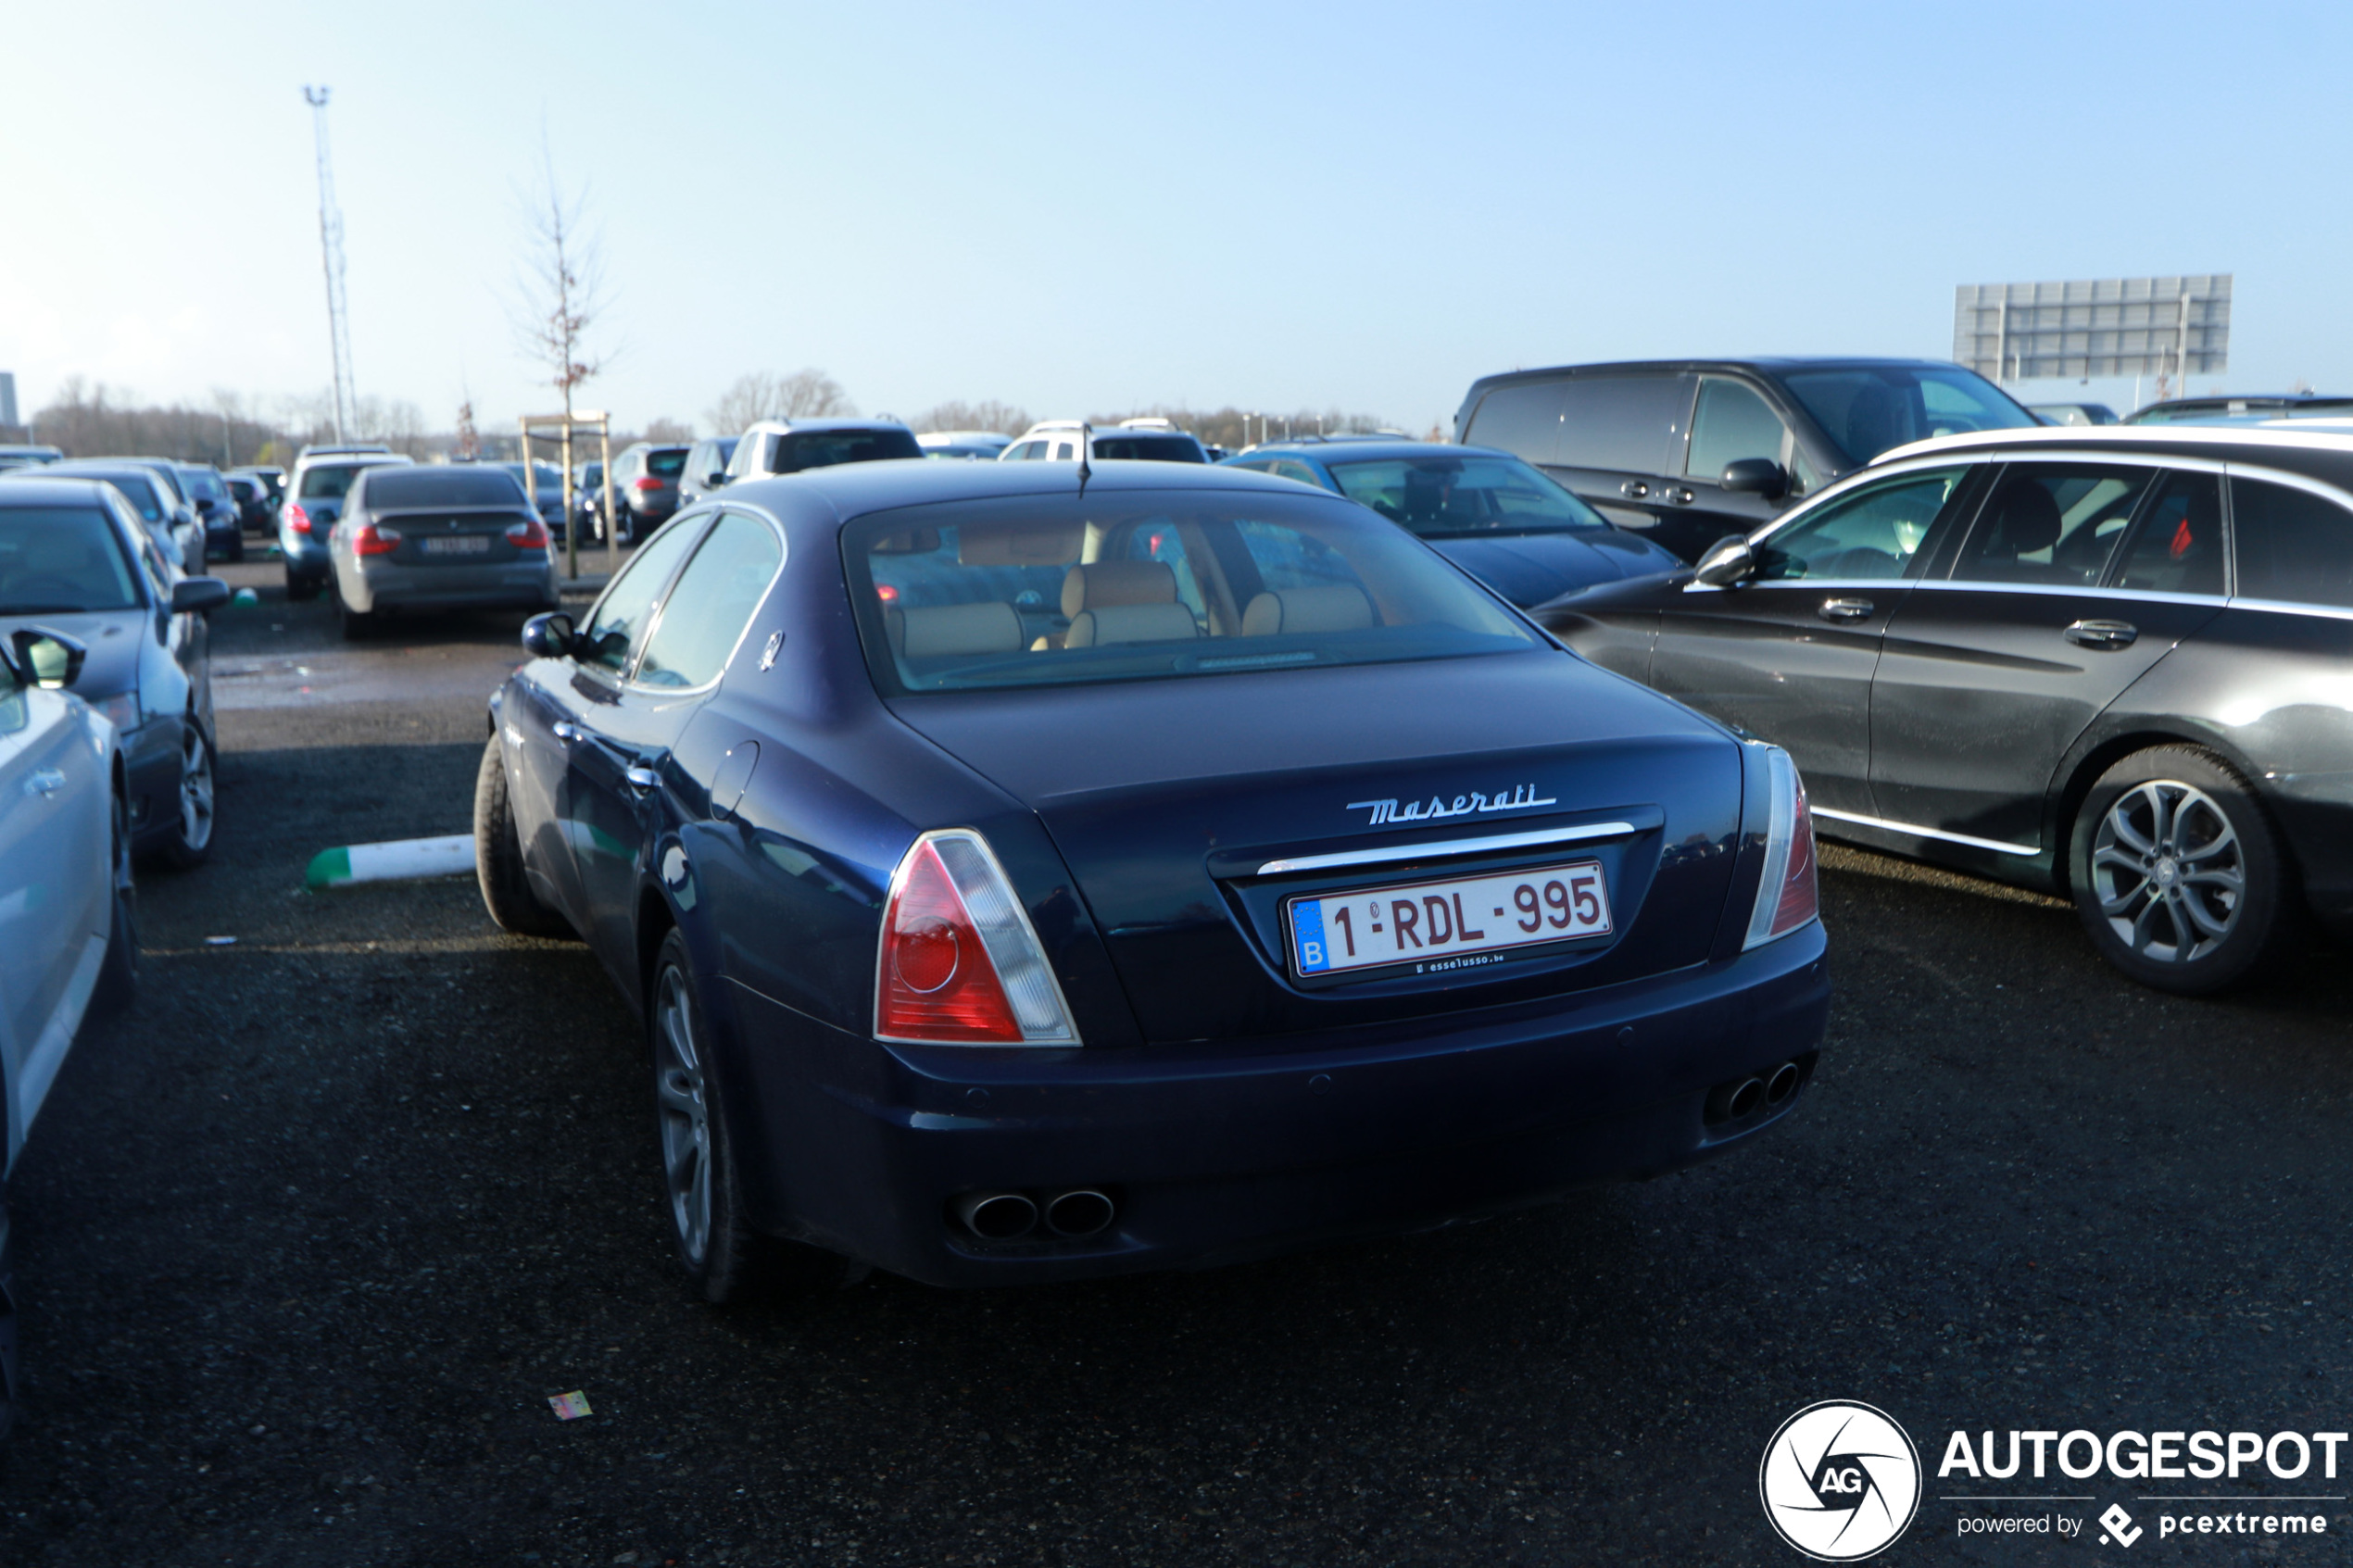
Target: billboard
(2177, 326)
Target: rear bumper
(1217, 1154)
(516, 584)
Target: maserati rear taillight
(1787, 895)
(959, 963)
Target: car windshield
(330, 482)
(1041, 592)
(203, 485)
(1149, 448)
(1871, 408)
(823, 448)
(57, 560)
(1439, 496)
(442, 487)
(139, 489)
(667, 465)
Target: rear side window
(1622, 423)
(1524, 419)
(2177, 545)
(57, 560)
(445, 487)
(2054, 524)
(716, 594)
(2292, 545)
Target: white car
(68, 925)
(1149, 439)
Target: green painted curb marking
(329, 867)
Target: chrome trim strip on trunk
(1917, 832)
(1582, 833)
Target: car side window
(2051, 524)
(705, 614)
(1524, 420)
(2177, 545)
(2292, 545)
(619, 618)
(1871, 533)
(1283, 469)
(1732, 422)
(1620, 423)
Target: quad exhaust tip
(1740, 1098)
(1067, 1214)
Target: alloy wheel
(686, 1114)
(196, 790)
(2168, 872)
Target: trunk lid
(451, 536)
(1173, 800)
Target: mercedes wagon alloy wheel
(2177, 876)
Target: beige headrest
(941, 630)
(1118, 583)
(1341, 608)
(1131, 624)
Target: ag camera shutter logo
(1840, 1481)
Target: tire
(357, 625)
(118, 977)
(237, 549)
(191, 840)
(506, 890)
(701, 1190)
(301, 588)
(9, 1392)
(2177, 873)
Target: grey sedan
(439, 538)
(75, 559)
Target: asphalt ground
(309, 1236)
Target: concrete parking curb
(403, 859)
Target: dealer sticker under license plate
(1459, 924)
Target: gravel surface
(311, 1234)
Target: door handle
(2102, 634)
(1680, 496)
(48, 781)
(1844, 609)
(1634, 489)
(568, 732)
(642, 778)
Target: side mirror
(548, 635)
(198, 596)
(1727, 562)
(48, 659)
(715, 479)
(1755, 476)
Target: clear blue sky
(1361, 206)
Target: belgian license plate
(457, 545)
(1462, 923)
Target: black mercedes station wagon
(2115, 664)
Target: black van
(1689, 450)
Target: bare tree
(804, 395)
(1002, 417)
(669, 430)
(560, 293)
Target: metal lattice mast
(331, 251)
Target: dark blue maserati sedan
(1029, 872)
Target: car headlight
(121, 710)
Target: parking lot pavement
(311, 1234)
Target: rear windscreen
(330, 481)
(823, 448)
(1149, 448)
(1038, 592)
(57, 560)
(666, 465)
(442, 487)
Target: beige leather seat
(1339, 607)
(939, 631)
(1124, 601)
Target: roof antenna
(1085, 444)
